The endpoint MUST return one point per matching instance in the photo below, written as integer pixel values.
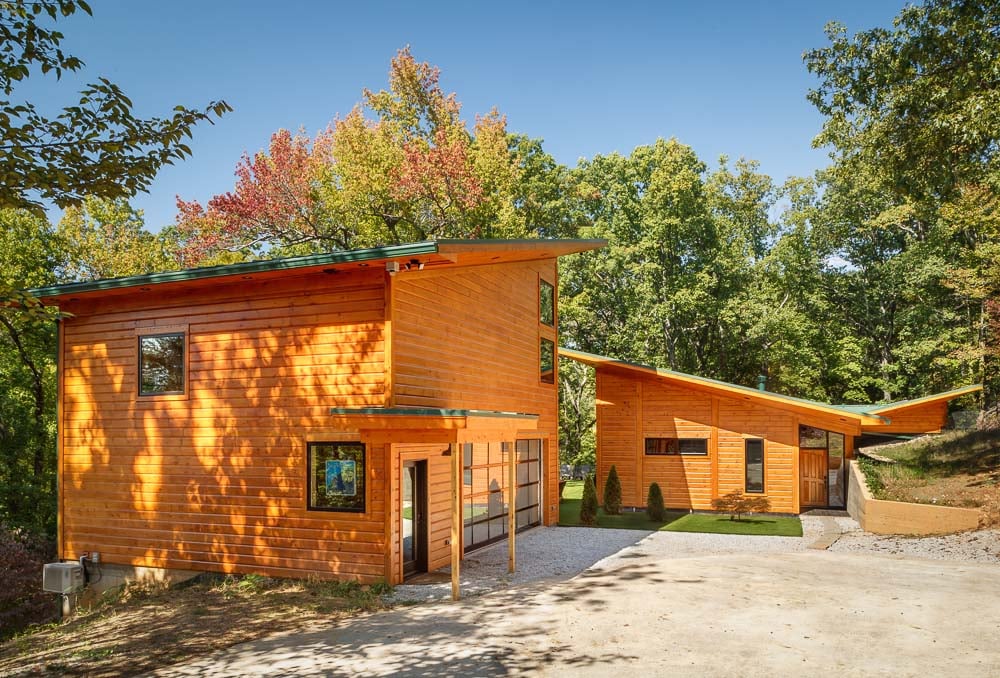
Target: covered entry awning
(455, 427)
(446, 425)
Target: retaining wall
(881, 516)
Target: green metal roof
(849, 409)
(328, 259)
(388, 252)
(430, 412)
(867, 410)
(944, 395)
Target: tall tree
(913, 124)
(31, 254)
(401, 166)
(108, 239)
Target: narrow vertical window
(546, 303)
(755, 466)
(547, 357)
(161, 364)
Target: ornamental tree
(402, 166)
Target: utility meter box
(62, 577)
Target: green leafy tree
(31, 254)
(588, 504)
(108, 239)
(577, 414)
(613, 493)
(94, 147)
(655, 509)
(910, 124)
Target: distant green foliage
(588, 504)
(613, 493)
(655, 509)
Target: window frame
(555, 362)
(310, 480)
(678, 444)
(543, 283)
(155, 333)
(746, 466)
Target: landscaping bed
(138, 629)
(676, 520)
(960, 469)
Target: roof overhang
(854, 419)
(926, 400)
(429, 254)
(446, 425)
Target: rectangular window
(547, 303)
(336, 476)
(547, 360)
(694, 447)
(755, 466)
(812, 437)
(161, 364)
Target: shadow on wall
(218, 479)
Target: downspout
(58, 440)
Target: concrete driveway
(764, 614)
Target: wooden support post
(456, 519)
(512, 508)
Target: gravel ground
(560, 553)
(982, 546)
(543, 553)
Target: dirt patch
(139, 629)
(980, 490)
(954, 469)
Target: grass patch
(676, 521)
(958, 468)
(769, 526)
(139, 628)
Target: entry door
(414, 515)
(812, 474)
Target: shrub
(654, 503)
(736, 504)
(613, 493)
(22, 601)
(588, 505)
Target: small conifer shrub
(654, 503)
(588, 505)
(613, 493)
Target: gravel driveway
(669, 606)
(548, 554)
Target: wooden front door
(812, 477)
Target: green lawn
(677, 521)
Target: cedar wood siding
(633, 407)
(926, 418)
(438, 505)
(472, 341)
(216, 479)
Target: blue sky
(587, 77)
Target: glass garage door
(485, 480)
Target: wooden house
(359, 415)
(701, 438)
